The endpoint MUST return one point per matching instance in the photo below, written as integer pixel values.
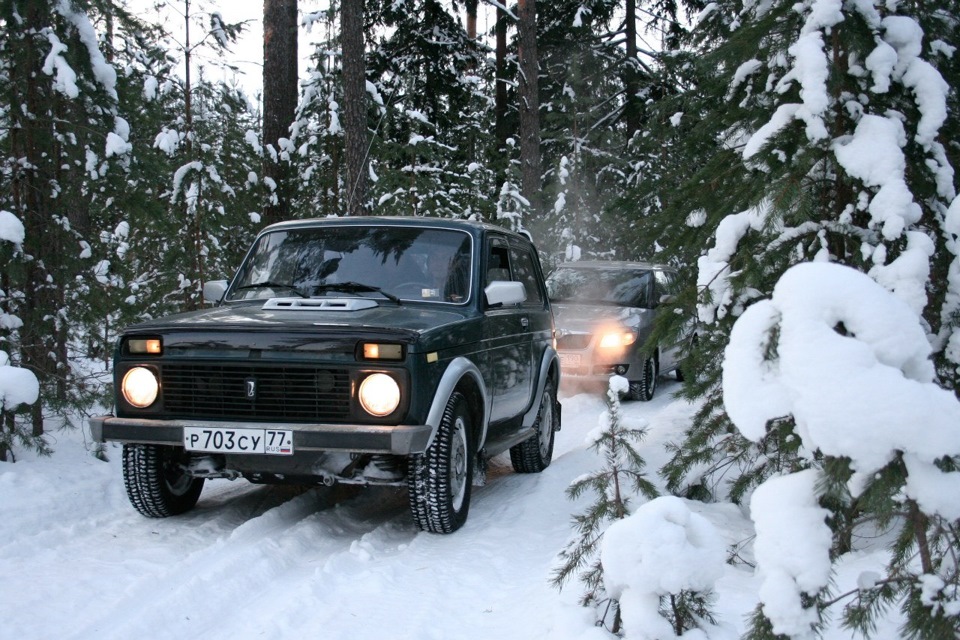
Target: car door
(665, 285)
(537, 318)
(506, 339)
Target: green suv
(389, 351)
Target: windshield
(402, 262)
(608, 286)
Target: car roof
(474, 226)
(614, 264)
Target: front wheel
(439, 479)
(644, 388)
(534, 454)
(157, 483)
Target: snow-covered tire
(534, 454)
(439, 479)
(644, 388)
(156, 482)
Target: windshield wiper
(266, 284)
(354, 287)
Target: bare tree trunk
(472, 19)
(630, 75)
(529, 105)
(30, 137)
(355, 107)
(500, 99)
(279, 98)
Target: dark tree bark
(31, 138)
(630, 71)
(472, 19)
(529, 96)
(279, 97)
(354, 107)
(500, 98)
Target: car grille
(574, 341)
(281, 392)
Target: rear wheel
(644, 388)
(439, 479)
(534, 454)
(157, 482)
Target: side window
(664, 285)
(498, 260)
(525, 271)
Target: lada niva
(390, 351)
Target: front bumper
(589, 367)
(355, 438)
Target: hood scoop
(319, 304)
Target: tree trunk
(354, 107)
(500, 98)
(279, 98)
(529, 105)
(630, 76)
(472, 19)
(30, 138)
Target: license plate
(571, 360)
(276, 442)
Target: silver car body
(593, 301)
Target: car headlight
(140, 387)
(619, 338)
(379, 395)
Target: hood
(579, 318)
(385, 317)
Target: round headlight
(379, 395)
(140, 387)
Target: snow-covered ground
(276, 562)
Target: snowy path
(277, 562)
(285, 563)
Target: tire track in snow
(196, 595)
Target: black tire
(644, 388)
(156, 482)
(534, 454)
(439, 479)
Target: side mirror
(213, 290)
(501, 292)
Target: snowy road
(280, 562)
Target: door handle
(524, 322)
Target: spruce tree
(779, 177)
(66, 135)
(613, 488)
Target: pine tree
(209, 191)
(779, 180)
(64, 136)
(428, 114)
(613, 488)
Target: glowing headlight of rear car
(618, 338)
(140, 387)
(379, 395)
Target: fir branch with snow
(847, 351)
